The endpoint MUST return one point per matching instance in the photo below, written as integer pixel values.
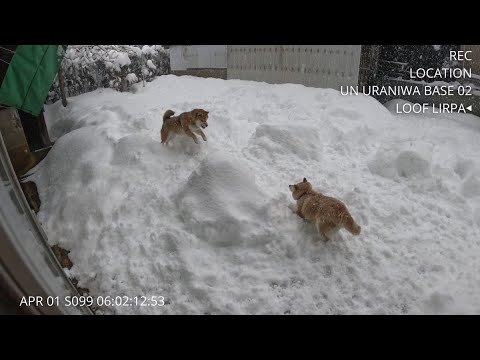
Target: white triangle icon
(469, 107)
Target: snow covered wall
(210, 227)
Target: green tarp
(30, 76)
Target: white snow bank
(210, 226)
(471, 186)
(403, 159)
(219, 201)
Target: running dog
(187, 123)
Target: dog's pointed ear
(304, 180)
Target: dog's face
(200, 117)
(299, 189)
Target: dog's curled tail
(168, 114)
(352, 226)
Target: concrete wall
(326, 66)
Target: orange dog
(187, 123)
(328, 214)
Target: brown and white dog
(328, 214)
(187, 123)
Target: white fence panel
(326, 66)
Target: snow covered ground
(210, 226)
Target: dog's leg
(191, 134)
(318, 225)
(170, 137)
(326, 229)
(200, 132)
(299, 213)
(166, 138)
(163, 137)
